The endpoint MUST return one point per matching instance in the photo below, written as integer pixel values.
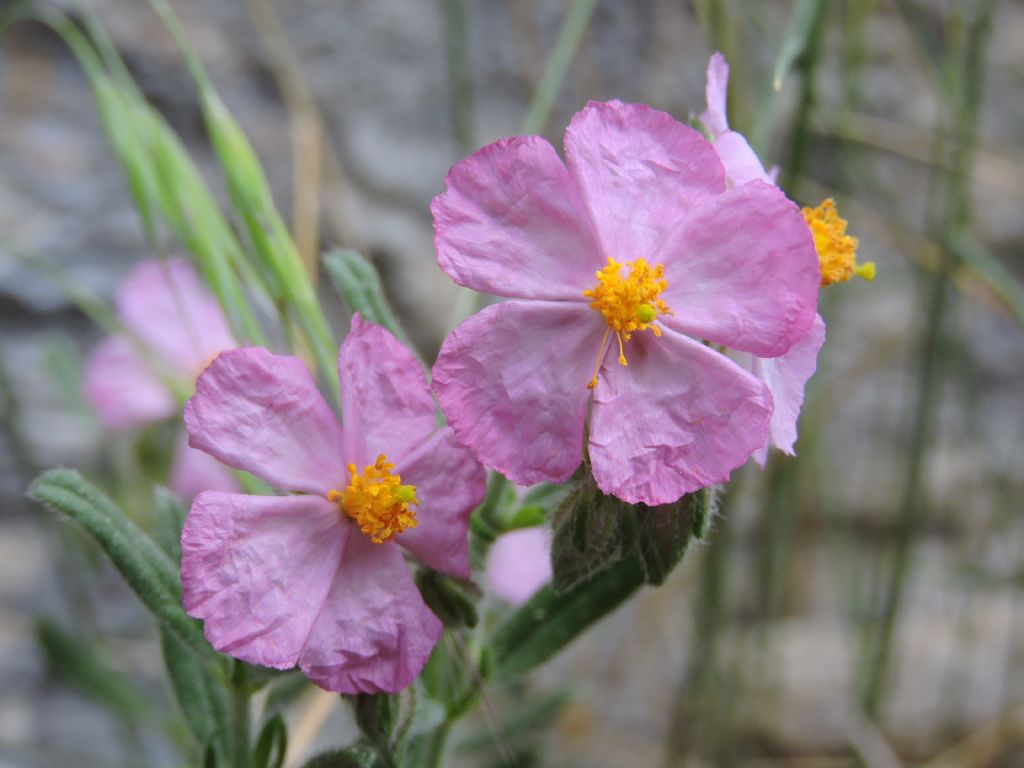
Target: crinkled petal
(512, 381)
(193, 472)
(640, 171)
(715, 92)
(679, 417)
(386, 404)
(519, 563)
(512, 223)
(745, 272)
(741, 162)
(374, 632)
(258, 570)
(166, 305)
(786, 377)
(449, 485)
(261, 412)
(122, 389)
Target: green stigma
(645, 313)
(405, 493)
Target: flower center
(627, 296)
(837, 250)
(377, 500)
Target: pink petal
(122, 389)
(385, 399)
(741, 162)
(374, 632)
(258, 569)
(193, 471)
(261, 412)
(640, 171)
(679, 417)
(166, 305)
(786, 377)
(745, 273)
(512, 381)
(519, 563)
(715, 92)
(450, 484)
(512, 223)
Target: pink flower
(637, 246)
(317, 578)
(519, 563)
(787, 375)
(174, 328)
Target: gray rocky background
(785, 683)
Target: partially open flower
(317, 578)
(635, 245)
(174, 327)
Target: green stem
(460, 80)
(240, 716)
(436, 748)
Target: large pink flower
(634, 245)
(787, 375)
(318, 579)
(174, 327)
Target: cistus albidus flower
(174, 327)
(633, 245)
(786, 375)
(519, 563)
(318, 578)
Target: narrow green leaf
(549, 621)
(352, 757)
(801, 23)
(170, 519)
(272, 744)
(147, 570)
(202, 700)
(357, 282)
(81, 664)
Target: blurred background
(858, 605)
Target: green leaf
(272, 744)
(375, 716)
(537, 630)
(170, 519)
(147, 570)
(82, 664)
(352, 757)
(202, 700)
(801, 24)
(357, 282)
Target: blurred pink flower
(787, 375)
(174, 328)
(318, 578)
(643, 205)
(519, 563)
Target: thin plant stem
(240, 716)
(954, 218)
(460, 79)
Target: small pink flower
(787, 375)
(519, 563)
(636, 246)
(174, 328)
(317, 578)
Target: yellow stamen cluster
(377, 500)
(627, 295)
(837, 250)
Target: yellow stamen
(627, 296)
(377, 500)
(837, 250)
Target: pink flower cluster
(630, 269)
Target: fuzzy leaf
(272, 744)
(357, 282)
(203, 702)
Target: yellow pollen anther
(627, 296)
(377, 500)
(837, 250)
